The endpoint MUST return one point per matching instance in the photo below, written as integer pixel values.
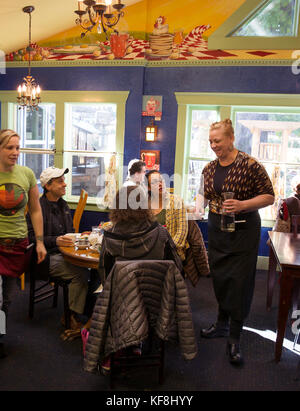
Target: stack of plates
(161, 45)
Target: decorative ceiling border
(147, 63)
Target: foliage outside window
(276, 18)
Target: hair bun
(228, 121)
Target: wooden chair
(79, 210)
(47, 288)
(150, 275)
(152, 356)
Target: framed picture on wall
(152, 106)
(151, 158)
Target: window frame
(228, 104)
(221, 39)
(60, 99)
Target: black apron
(232, 259)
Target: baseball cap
(52, 172)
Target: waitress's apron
(232, 259)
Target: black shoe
(234, 354)
(215, 331)
(2, 351)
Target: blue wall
(158, 81)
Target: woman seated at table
(169, 210)
(134, 234)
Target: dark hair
(149, 173)
(136, 167)
(130, 206)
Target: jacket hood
(132, 241)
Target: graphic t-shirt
(14, 187)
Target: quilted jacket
(136, 295)
(196, 261)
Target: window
(276, 18)
(199, 152)
(260, 25)
(37, 131)
(270, 133)
(272, 137)
(89, 145)
(83, 131)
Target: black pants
(235, 326)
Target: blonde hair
(6, 135)
(226, 124)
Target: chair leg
(67, 312)
(112, 373)
(162, 362)
(55, 297)
(31, 295)
(22, 279)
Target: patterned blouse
(247, 178)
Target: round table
(83, 258)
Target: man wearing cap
(58, 222)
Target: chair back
(79, 210)
(295, 222)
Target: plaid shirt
(177, 223)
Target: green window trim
(228, 104)
(220, 39)
(60, 98)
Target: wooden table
(284, 251)
(82, 258)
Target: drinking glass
(227, 219)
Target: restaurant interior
(91, 89)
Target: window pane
(273, 139)
(37, 162)
(269, 136)
(199, 144)
(277, 18)
(37, 128)
(93, 127)
(194, 177)
(85, 174)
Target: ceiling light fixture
(104, 14)
(29, 93)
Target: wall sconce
(151, 132)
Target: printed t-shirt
(14, 187)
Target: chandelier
(29, 92)
(104, 14)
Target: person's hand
(232, 206)
(41, 252)
(64, 241)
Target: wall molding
(147, 63)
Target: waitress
(233, 255)
(18, 188)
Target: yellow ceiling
(49, 17)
